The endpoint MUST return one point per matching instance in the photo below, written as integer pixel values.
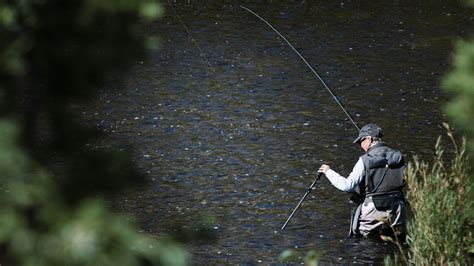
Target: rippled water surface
(243, 143)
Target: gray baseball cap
(369, 130)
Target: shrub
(439, 196)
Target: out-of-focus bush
(459, 83)
(54, 54)
(38, 228)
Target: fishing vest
(384, 171)
(382, 183)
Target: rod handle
(302, 199)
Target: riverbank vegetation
(441, 193)
(440, 231)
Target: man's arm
(347, 184)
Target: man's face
(365, 143)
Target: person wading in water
(377, 183)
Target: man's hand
(323, 168)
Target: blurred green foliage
(54, 54)
(290, 256)
(38, 228)
(287, 256)
(460, 85)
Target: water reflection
(244, 143)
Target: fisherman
(377, 181)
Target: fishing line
(306, 62)
(190, 35)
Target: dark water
(242, 144)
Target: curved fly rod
(310, 67)
(190, 35)
(327, 88)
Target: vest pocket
(385, 202)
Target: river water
(243, 143)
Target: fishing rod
(302, 199)
(190, 35)
(308, 64)
(327, 88)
